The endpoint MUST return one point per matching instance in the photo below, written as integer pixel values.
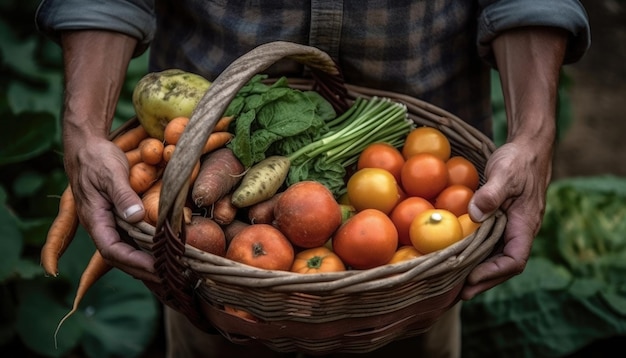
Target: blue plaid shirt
(435, 50)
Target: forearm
(529, 62)
(95, 68)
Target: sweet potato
(224, 211)
(220, 172)
(263, 212)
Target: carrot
(220, 172)
(131, 138)
(150, 200)
(216, 140)
(151, 150)
(142, 176)
(224, 211)
(168, 151)
(133, 156)
(96, 268)
(223, 123)
(60, 234)
(263, 212)
(174, 129)
(194, 173)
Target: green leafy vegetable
(276, 120)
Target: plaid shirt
(435, 50)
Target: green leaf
(25, 136)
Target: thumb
(487, 199)
(127, 203)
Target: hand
(98, 174)
(517, 179)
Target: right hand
(98, 172)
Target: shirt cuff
(133, 18)
(569, 15)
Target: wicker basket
(352, 311)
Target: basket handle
(215, 102)
(176, 289)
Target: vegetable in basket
(304, 141)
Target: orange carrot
(174, 129)
(131, 138)
(151, 150)
(133, 156)
(142, 176)
(217, 140)
(194, 173)
(150, 201)
(60, 234)
(168, 151)
(223, 123)
(96, 268)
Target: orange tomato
(316, 260)
(404, 213)
(454, 198)
(435, 229)
(373, 188)
(368, 239)
(462, 171)
(405, 252)
(424, 175)
(426, 140)
(384, 156)
(468, 225)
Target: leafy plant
(572, 291)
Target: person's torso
(424, 48)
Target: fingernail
(131, 210)
(475, 212)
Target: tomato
(424, 175)
(262, 246)
(316, 260)
(454, 198)
(368, 239)
(468, 225)
(462, 171)
(384, 156)
(307, 214)
(404, 213)
(426, 140)
(404, 253)
(373, 188)
(435, 229)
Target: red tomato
(384, 156)
(404, 213)
(424, 175)
(454, 198)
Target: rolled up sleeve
(134, 18)
(498, 16)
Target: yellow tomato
(373, 188)
(435, 229)
(405, 252)
(468, 225)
